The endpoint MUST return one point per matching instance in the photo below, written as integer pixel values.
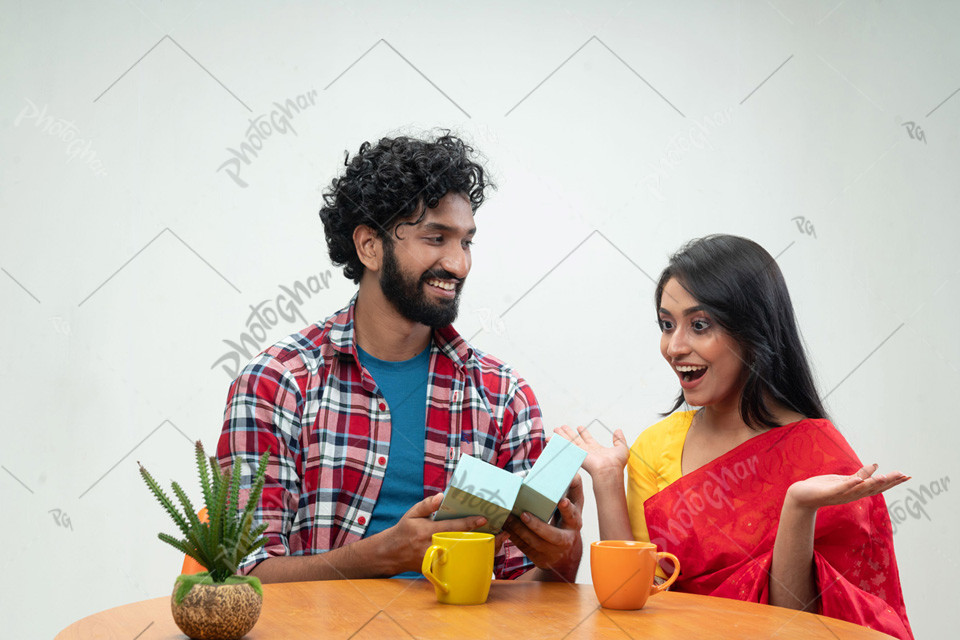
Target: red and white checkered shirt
(308, 400)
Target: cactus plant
(221, 543)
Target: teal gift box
(478, 488)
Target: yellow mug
(623, 571)
(460, 566)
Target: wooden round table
(385, 609)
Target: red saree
(721, 521)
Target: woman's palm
(831, 489)
(599, 458)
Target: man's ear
(369, 247)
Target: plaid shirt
(327, 425)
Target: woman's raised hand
(599, 459)
(822, 491)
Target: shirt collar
(343, 337)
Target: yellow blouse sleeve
(641, 484)
(654, 463)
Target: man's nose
(456, 260)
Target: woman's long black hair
(741, 286)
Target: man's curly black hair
(387, 184)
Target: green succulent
(221, 543)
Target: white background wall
(615, 132)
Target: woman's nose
(677, 344)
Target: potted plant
(215, 604)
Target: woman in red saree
(756, 492)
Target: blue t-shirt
(404, 387)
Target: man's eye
(467, 244)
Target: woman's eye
(700, 325)
(665, 325)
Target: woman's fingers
(890, 481)
(876, 485)
(867, 470)
(880, 482)
(587, 438)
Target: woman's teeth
(690, 372)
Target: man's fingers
(570, 512)
(498, 541)
(575, 491)
(541, 529)
(459, 524)
(520, 534)
(516, 533)
(425, 508)
(619, 437)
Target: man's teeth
(449, 286)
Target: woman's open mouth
(691, 373)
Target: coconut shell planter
(207, 611)
(215, 604)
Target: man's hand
(555, 550)
(395, 550)
(402, 546)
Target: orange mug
(623, 571)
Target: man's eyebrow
(439, 226)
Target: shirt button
(362, 520)
(382, 461)
(383, 407)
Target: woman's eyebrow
(686, 312)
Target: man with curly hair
(367, 413)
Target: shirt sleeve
(523, 440)
(263, 412)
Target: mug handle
(438, 553)
(657, 588)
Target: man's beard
(408, 296)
